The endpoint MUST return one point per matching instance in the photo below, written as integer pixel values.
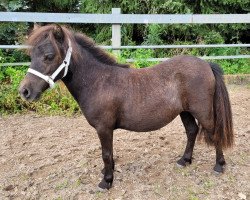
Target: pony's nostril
(26, 92)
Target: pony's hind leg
(207, 124)
(220, 161)
(191, 131)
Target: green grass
(62, 185)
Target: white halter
(65, 64)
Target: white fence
(117, 19)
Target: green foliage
(168, 34)
(153, 35)
(230, 66)
(56, 101)
(236, 66)
(12, 33)
(9, 102)
(7, 57)
(11, 5)
(139, 55)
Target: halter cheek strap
(65, 65)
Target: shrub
(54, 102)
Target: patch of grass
(62, 185)
(192, 195)
(77, 183)
(58, 198)
(208, 184)
(158, 189)
(99, 194)
(231, 178)
(185, 171)
(243, 156)
(23, 177)
(173, 191)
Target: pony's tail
(223, 126)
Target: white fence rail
(147, 46)
(149, 59)
(117, 19)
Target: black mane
(96, 51)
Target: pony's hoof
(217, 173)
(183, 162)
(219, 169)
(104, 185)
(101, 190)
(97, 190)
(180, 166)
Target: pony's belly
(148, 111)
(147, 123)
(143, 127)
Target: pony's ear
(58, 33)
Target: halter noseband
(65, 64)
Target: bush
(54, 102)
(231, 66)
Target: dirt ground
(60, 158)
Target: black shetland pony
(112, 95)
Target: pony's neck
(85, 75)
(90, 68)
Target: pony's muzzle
(25, 93)
(28, 93)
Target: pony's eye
(49, 57)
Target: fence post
(116, 33)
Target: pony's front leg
(106, 138)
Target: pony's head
(50, 54)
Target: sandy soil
(60, 158)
